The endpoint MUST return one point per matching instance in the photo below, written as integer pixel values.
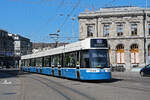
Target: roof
(80, 45)
(116, 11)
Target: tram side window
(39, 62)
(33, 62)
(27, 61)
(70, 59)
(60, 60)
(53, 63)
(47, 61)
(73, 59)
(77, 59)
(56, 61)
(22, 63)
(66, 60)
(85, 62)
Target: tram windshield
(95, 58)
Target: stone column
(113, 52)
(127, 29)
(100, 29)
(112, 32)
(127, 57)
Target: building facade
(22, 45)
(127, 30)
(12, 47)
(6, 49)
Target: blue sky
(36, 19)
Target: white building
(22, 45)
(127, 30)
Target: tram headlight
(107, 69)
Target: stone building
(127, 30)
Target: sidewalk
(126, 75)
(9, 87)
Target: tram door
(59, 64)
(59, 71)
(53, 64)
(52, 71)
(56, 64)
(78, 73)
(78, 65)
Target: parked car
(145, 71)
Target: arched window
(109, 49)
(149, 50)
(134, 54)
(120, 54)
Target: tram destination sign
(96, 43)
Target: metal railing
(119, 68)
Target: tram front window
(94, 58)
(99, 58)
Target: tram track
(24, 95)
(54, 88)
(67, 92)
(129, 84)
(70, 90)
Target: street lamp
(55, 37)
(73, 32)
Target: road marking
(6, 82)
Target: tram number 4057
(92, 70)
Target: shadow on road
(7, 73)
(104, 81)
(4, 73)
(98, 81)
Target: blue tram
(83, 60)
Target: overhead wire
(109, 3)
(69, 14)
(53, 16)
(59, 6)
(57, 9)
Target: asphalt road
(28, 86)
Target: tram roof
(80, 45)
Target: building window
(119, 30)
(149, 29)
(109, 50)
(133, 29)
(110, 53)
(134, 54)
(90, 30)
(106, 30)
(148, 50)
(120, 54)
